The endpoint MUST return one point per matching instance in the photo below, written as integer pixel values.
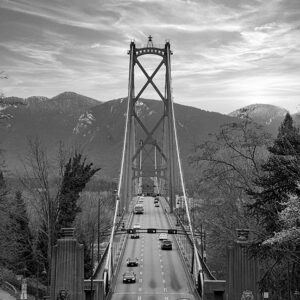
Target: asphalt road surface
(160, 274)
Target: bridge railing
(115, 249)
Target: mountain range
(97, 128)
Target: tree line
(51, 194)
(247, 179)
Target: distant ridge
(264, 114)
(98, 127)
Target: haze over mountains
(98, 127)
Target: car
(156, 205)
(155, 200)
(138, 209)
(132, 262)
(163, 236)
(136, 226)
(166, 245)
(129, 277)
(135, 236)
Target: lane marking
(141, 280)
(166, 298)
(164, 281)
(165, 290)
(141, 273)
(140, 289)
(139, 297)
(162, 273)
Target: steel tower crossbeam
(150, 78)
(149, 136)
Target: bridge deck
(160, 274)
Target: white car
(163, 236)
(136, 226)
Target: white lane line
(162, 266)
(164, 281)
(162, 273)
(141, 266)
(166, 298)
(141, 259)
(165, 290)
(141, 273)
(140, 289)
(139, 297)
(141, 280)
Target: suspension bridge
(151, 158)
(151, 177)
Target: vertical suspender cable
(126, 125)
(180, 168)
(109, 253)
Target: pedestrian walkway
(5, 295)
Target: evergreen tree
(280, 177)
(22, 235)
(280, 180)
(76, 175)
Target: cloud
(224, 50)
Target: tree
(87, 223)
(43, 201)
(280, 177)
(21, 235)
(289, 218)
(7, 249)
(226, 165)
(76, 175)
(272, 202)
(54, 190)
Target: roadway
(160, 273)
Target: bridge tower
(155, 141)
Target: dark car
(156, 205)
(135, 236)
(166, 245)
(132, 262)
(129, 277)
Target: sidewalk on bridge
(5, 295)
(121, 240)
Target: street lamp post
(98, 231)
(93, 237)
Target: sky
(226, 53)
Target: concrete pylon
(67, 268)
(243, 272)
